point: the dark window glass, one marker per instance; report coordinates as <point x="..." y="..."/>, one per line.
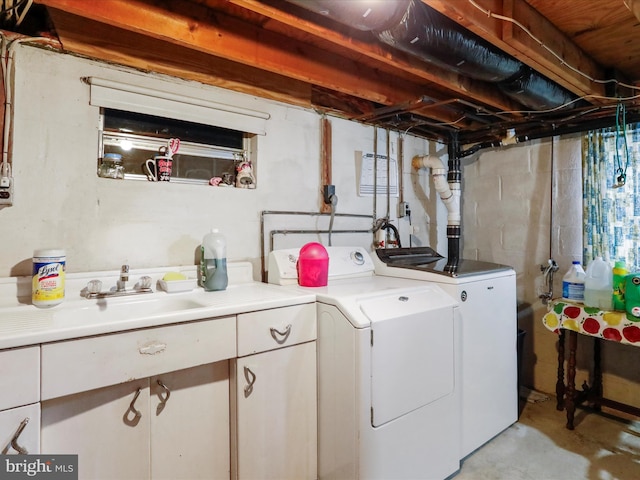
<point x="150" y="125"/>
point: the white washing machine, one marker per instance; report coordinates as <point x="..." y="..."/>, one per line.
<point x="388" y="402"/>
<point x="486" y="293"/>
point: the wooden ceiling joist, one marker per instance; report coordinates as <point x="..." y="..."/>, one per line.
<point x="510" y="38"/>
<point x="278" y="50"/>
<point x="267" y="49"/>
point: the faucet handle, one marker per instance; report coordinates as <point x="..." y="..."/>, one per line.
<point x="144" y="282"/>
<point x="94" y="286"/>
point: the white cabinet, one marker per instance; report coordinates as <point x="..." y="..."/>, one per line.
<point x="275" y="433"/>
<point x="111" y="441"/>
<point x="170" y="426"/>
<point x="19" y="407"/>
<point x="151" y="403"/>
<point x="231" y="397"/>
<point x="190" y="428"/>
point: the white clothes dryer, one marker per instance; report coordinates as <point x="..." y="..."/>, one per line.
<point x="486" y="293"/>
<point x="388" y="358"/>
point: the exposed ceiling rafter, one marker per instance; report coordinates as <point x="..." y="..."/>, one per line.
<point x="274" y="49"/>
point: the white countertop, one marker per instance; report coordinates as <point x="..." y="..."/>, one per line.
<point x="23" y="324"/>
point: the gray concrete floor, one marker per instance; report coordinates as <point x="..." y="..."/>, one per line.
<point x="603" y="446"/>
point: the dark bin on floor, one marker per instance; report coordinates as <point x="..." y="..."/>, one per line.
<point x="520" y="347"/>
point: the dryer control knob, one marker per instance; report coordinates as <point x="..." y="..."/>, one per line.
<point x="357" y="257"/>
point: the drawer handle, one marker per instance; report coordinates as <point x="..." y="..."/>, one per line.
<point x="132" y="408"/>
<point x="152" y="348"/>
<point x="280" y="337"/>
<point x="163" y="400"/>
<point x="14" y="441"/>
<point x="250" y="377"/>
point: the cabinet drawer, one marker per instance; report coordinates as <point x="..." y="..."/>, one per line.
<point x="19" y="376"/>
<point x="275" y="328"/>
<point x="83" y="364"/>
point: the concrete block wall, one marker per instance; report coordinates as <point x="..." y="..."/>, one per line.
<point x="521" y="206"/>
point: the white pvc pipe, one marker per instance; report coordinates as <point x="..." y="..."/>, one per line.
<point x="449" y="193"/>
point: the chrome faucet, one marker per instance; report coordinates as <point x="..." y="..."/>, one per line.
<point x="94" y="287"/>
<point x="547" y="272"/>
<point x="121" y="285"/>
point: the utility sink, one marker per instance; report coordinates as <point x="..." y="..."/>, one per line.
<point x="124" y="308"/>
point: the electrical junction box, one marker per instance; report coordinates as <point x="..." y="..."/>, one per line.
<point x="6" y="191"/>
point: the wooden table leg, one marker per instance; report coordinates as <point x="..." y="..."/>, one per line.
<point x="560" y="380"/>
<point x="570" y="396"/>
<point x="597" y="376"/>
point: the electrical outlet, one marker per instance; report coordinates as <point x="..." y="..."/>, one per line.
<point x="6" y="191"/>
<point x="328" y="191"/>
<point x="403" y="209"/>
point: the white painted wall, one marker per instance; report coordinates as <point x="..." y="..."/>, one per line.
<point x="60" y="201"/>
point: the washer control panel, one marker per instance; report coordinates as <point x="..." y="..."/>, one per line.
<point x="344" y="262"/>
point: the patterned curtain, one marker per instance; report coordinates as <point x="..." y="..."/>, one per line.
<point x="611" y="210"/>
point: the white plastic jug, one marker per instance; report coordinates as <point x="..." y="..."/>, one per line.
<point x="573" y="283"/>
<point x="598" y="285"/>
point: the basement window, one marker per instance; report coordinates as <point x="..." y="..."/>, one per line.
<point x="217" y="130"/>
<point x="205" y="152"/>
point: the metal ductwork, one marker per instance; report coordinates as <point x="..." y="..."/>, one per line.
<point x="417" y="29"/>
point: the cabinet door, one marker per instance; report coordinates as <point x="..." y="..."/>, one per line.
<point x="190" y="423"/>
<point x="103" y="429"/>
<point x="277" y="414"/>
<point x="20" y="430"/>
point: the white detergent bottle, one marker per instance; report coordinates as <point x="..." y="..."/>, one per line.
<point x="213" y="263"/>
<point x="598" y="285"/>
<point x="573" y="283"/>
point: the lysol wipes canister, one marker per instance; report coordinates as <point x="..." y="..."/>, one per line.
<point x="47" y="287"/>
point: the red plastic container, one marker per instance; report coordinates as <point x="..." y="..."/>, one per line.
<point x="313" y="265"/>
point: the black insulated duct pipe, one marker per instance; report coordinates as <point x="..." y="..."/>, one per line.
<point x="432" y="36"/>
<point x="417" y="29"/>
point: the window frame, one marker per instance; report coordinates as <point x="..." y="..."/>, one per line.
<point x="152" y="144"/>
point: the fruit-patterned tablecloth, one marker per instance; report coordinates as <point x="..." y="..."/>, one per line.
<point x="614" y="326"/>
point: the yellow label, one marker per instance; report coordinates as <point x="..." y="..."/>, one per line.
<point x="48" y="282"/>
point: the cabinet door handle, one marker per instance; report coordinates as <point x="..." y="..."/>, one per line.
<point x="132" y="408"/>
<point x="14" y="441"/>
<point x="163" y="400"/>
<point x="250" y="377"/>
<point x="152" y="348"/>
<point x="280" y="337"/>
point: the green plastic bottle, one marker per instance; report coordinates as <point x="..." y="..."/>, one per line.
<point x="214" y="262"/>
<point x="620" y="273"/>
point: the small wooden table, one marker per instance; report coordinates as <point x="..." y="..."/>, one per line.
<point x="571" y="318"/>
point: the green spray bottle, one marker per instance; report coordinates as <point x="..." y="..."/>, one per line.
<point x="620" y="273"/>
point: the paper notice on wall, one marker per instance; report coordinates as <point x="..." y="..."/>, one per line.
<point x="382" y="173"/>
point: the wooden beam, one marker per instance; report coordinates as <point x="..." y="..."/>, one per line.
<point x="514" y="41"/>
<point x="325" y="160"/>
<point x="88" y="28"/>
<point x="93" y="39"/>
<point x="385" y="58"/>
<point x="217" y="34"/>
